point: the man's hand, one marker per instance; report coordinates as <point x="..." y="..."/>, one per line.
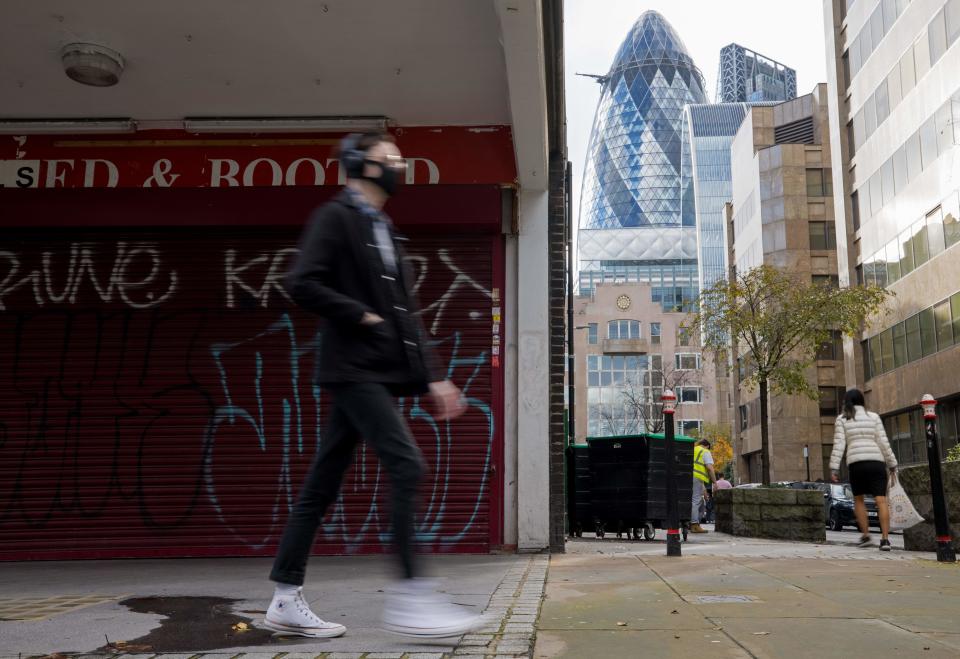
<point x="370" y="319"/>
<point x="448" y="399"/>
<point x="835" y="476"/>
<point x="893" y="475"/>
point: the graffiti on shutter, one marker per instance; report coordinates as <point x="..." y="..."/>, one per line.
<point x="156" y="398"/>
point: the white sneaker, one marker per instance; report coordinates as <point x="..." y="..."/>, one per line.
<point x="416" y="609"/>
<point x="290" y="614"/>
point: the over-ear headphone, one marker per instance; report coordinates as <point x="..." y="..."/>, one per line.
<point x="352" y="156"/>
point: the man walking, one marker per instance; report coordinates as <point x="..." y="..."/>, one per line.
<point x="703" y="475"/>
<point x="351" y="273"/>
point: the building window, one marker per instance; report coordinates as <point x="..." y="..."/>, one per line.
<point x="592" y="337"/>
<point x="832" y="348"/>
<point x="655" y="334"/>
<point x="953" y="20"/>
<point x="819" y="183"/>
<point x="855" y="210"/>
<point x="689" y="395"/>
<point x="823" y="235"/>
<point x="744" y="418"/>
<point x="689" y="426"/>
<point x="833" y="281"/>
<point x="937" y="36"/>
<point x="912" y="331"/>
<point x="684" y="336"/>
<point x="951" y="220"/>
<point x="623" y="329"/>
<point x="928" y="332"/>
<point x="944" y="325"/>
<point x="621" y="394"/>
<point x="831" y="400"/>
<point x="687" y="361"/>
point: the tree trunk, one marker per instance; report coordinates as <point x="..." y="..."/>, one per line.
<point x="764" y="433"/>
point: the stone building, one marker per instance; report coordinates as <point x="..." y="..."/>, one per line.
<point x="782" y="215"/>
<point x="628" y="346"/>
<point x="895" y="126"/>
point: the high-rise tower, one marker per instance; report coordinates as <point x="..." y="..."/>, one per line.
<point x="632" y="224"/>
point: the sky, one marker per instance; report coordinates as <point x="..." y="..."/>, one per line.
<point x="790" y="32"/>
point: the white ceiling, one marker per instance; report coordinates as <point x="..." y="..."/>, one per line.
<point x="419" y="62"/>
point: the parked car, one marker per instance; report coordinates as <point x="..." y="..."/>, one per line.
<point x="838" y="504"/>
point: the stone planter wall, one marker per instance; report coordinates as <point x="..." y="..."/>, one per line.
<point x="781" y="514"/>
<point x="916" y="482"/>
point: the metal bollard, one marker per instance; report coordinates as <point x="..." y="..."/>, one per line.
<point x="669" y="400"/>
<point x="941" y="521"/>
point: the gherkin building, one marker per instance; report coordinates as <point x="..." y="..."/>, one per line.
<point x="633" y="226"/>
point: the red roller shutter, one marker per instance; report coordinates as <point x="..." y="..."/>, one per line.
<point x="156" y="396"/>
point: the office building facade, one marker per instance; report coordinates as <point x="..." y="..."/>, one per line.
<point x="782" y="216"/>
<point x="895" y="124"/>
<point x="746" y="76"/>
<point x="627" y="350"/>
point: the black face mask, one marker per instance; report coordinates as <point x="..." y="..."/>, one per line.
<point x="387" y="180"/>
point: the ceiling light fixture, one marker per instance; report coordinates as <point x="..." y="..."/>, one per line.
<point x="285" y="124"/>
<point x="92" y="64"/>
<point x="65" y="126"/>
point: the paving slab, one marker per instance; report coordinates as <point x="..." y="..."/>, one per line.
<point x="748" y="598"/>
<point x="651" y="644"/>
<point x="806" y="637"/>
<point x="605" y="606"/>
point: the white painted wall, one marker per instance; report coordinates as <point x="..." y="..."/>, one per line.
<point x="533" y="455"/>
<point x="511" y="391"/>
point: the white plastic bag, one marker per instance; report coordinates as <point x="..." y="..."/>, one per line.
<point x="902" y="513"/>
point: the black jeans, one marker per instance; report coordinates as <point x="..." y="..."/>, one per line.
<point x="358" y="410"/>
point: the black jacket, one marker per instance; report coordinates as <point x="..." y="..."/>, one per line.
<point x="340" y="275"/>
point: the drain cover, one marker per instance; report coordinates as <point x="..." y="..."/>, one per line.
<point x="723" y="599"/>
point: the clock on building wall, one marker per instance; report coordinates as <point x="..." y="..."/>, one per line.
<point x="623" y="302"/>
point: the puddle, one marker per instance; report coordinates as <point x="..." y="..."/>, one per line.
<point x="192" y="624"/>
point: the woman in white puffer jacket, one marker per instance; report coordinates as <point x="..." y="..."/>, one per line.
<point x="869" y="458"/>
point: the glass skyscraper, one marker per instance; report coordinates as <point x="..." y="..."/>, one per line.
<point x="633" y="226"/>
<point x="706" y="182"/>
<point x="746" y="76"/>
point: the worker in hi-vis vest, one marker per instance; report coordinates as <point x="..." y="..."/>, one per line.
<point x="703" y="475"/>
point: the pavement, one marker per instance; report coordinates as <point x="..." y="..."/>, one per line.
<point x="210" y="608"/>
<point x="727" y="597"/>
<point x="748" y="598"/>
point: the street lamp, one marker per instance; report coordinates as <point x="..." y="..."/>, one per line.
<point x="669" y="401"/>
<point x="941" y="522"/>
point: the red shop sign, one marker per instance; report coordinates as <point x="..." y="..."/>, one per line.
<point x="174" y="159"/>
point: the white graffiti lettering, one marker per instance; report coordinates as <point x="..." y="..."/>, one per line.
<point x="460" y="280"/>
<point x="272" y="281"/>
<point x="139" y="292"/>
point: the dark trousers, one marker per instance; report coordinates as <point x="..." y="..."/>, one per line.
<point x="358" y="411"/>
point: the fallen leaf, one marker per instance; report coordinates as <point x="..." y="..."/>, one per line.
<point x="761" y="633"/>
<point x="718" y="629"/>
<point x="674" y="612"/>
<point x="241" y="627"/>
<point x="621" y="624"/>
<point x="676" y="635"/>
